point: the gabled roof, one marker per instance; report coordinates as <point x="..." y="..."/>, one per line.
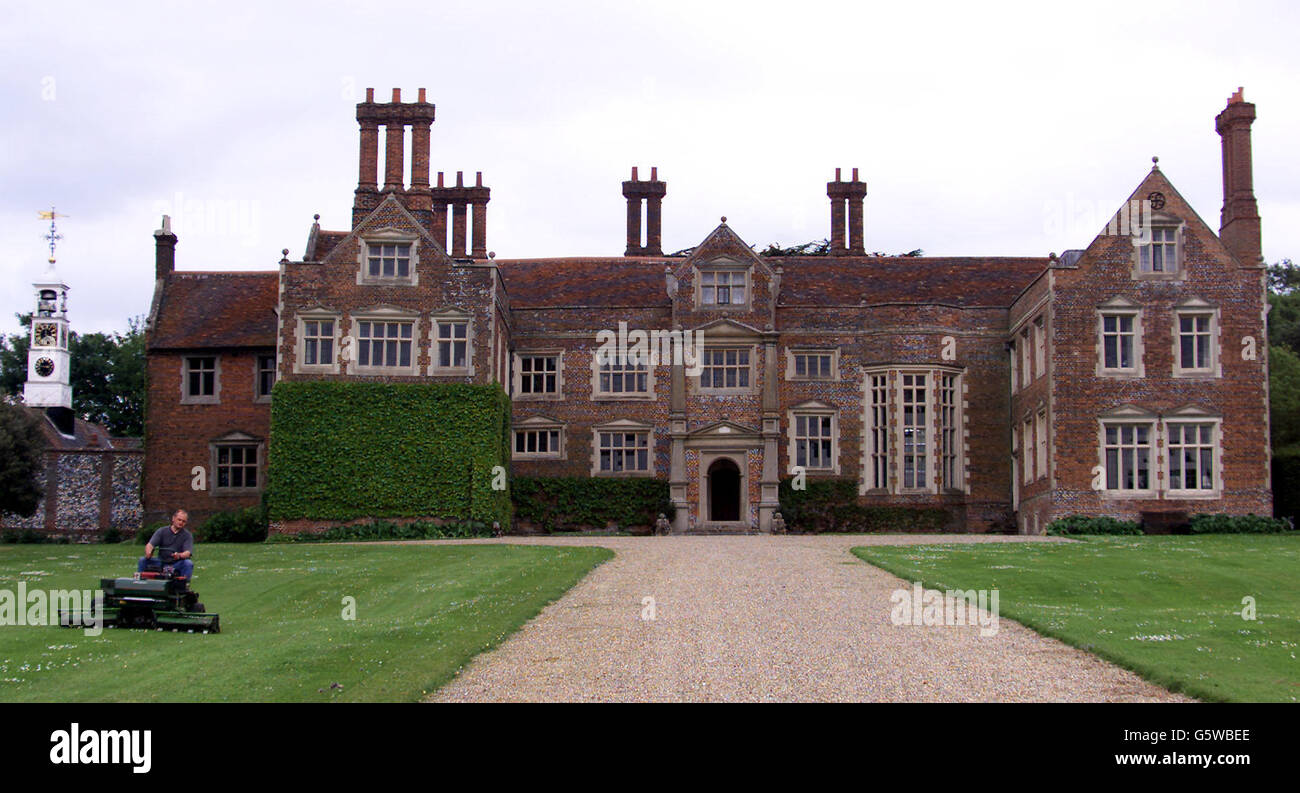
<point x="381" y="219"/>
<point x="614" y="282"/>
<point x="216" y="309"/>
<point x="868" y="280"/>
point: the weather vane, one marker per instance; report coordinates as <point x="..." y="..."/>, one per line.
<point x="54" y="236"/>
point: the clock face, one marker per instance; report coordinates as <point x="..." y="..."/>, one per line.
<point x="45" y="367"/>
<point x="47" y="334"/>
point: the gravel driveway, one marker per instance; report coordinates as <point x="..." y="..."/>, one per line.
<point x="764" y="618"/>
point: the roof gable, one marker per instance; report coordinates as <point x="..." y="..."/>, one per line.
<point x="723" y="243"/>
<point x="386" y="221"/>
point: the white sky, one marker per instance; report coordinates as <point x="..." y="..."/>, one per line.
<point x="980" y="128"/>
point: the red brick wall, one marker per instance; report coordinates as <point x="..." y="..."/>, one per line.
<point x="177" y="435"/>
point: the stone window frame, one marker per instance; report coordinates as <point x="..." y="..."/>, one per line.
<point x="598" y="395"/>
<point x="540" y="424"/>
<point x="383" y="315"/>
<point x="258" y="371"/>
<point x="894" y="411"/>
<point x="792" y="352"/>
<point x="1028" y="472"/>
<point x="1039" y="326"/>
<point x="1014" y="348"/>
<point x="201" y="399"/>
<point x="1200" y="308"/>
<point x="728" y="266"/>
<point x="1121" y="307"/>
<point x="1026" y="347"/>
<point x="957" y="450"/>
<point x="813" y="409"/>
<point x="1184" y="417"/>
<point x="752" y="388"/>
<point x="1163" y="222"/>
<point x="233" y="439"/>
<point x="1131" y="417"/>
<point x="387" y="236"/>
<point x="624" y="426"/>
<point x="300" y="345"/>
<point x="873" y="431"/>
<point x="517" y="375"/>
<point x="450" y="316"/>
<point x="1041" y="456"/>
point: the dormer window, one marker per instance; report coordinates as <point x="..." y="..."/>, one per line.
<point x="723" y="288"/>
<point x="1161" y="254"/>
<point x="389" y="260"/>
<point x="1158" y="251"/>
<point x="389" y="257"/>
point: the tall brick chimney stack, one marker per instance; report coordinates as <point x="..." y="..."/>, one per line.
<point x="395" y="117"/>
<point x="1239" y="222"/>
<point x="846" y="200"/>
<point x="164" y="256"/>
<point x="650" y="193"/>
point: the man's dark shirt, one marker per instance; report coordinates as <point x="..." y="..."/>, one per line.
<point x="168" y="542"/>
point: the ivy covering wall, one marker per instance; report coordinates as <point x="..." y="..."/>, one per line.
<point x="831" y="505"/>
<point x="575" y="503"/>
<point x="341" y="451"/>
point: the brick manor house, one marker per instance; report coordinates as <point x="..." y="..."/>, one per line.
<point x="1125" y="379"/>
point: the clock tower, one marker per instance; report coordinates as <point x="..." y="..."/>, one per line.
<point x="48" y="372"/>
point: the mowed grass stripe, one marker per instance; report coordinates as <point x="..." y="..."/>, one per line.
<point x="422" y="612"/>
<point x="1168" y="608"/>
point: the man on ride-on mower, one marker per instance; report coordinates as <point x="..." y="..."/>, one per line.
<point x="175" y="546"/>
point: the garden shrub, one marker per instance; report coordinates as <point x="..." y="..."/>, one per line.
<point x="342" y="451"/>
<point x="831" y="505"/>
<point x="245" y="525"/>
<point x="1286" y="483"/>
<point x="1238" y="524"/>
<point x="1083" y="524"/>
<point x="387" y="530"/>
<point x="575" y="503"/>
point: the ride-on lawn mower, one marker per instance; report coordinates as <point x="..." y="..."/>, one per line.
<point x="150" y="600"/>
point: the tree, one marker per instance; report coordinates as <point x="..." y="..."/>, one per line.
<point x="1284" y="302"/>
<point x="1284" y="398"/>
<point x="108" y="375"/>
<point x="22" y="451"/>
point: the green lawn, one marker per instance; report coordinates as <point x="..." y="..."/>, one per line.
<point x="1165" y="607"/>
<point x="422" y="612"/>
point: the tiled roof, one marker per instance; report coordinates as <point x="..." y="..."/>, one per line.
<point x="622" y="281"/>
<point x="210" y="309"/>
<point x="807" y="280"/>
<point x="325" y="242"/>
<point x="854" y="280"/>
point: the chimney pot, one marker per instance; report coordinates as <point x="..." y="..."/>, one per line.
<point x="397" y="95"/>
<point x="634" y="176"/>
<point x="478" y="179"/>
<point x="654" y="173"/>
<point x="370" y="94"/>
<point x="837" y="174"/>
<point x="421" y="95"/>
<point x="460" y="178"/>
<point x="855" y="174"/>
<point x="164" y="249"/>
<point x="440" y="178"/>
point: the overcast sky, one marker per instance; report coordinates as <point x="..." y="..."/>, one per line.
<point x="980" y="128"/>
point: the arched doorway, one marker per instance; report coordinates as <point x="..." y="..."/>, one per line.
<point x="724" y="491"/>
